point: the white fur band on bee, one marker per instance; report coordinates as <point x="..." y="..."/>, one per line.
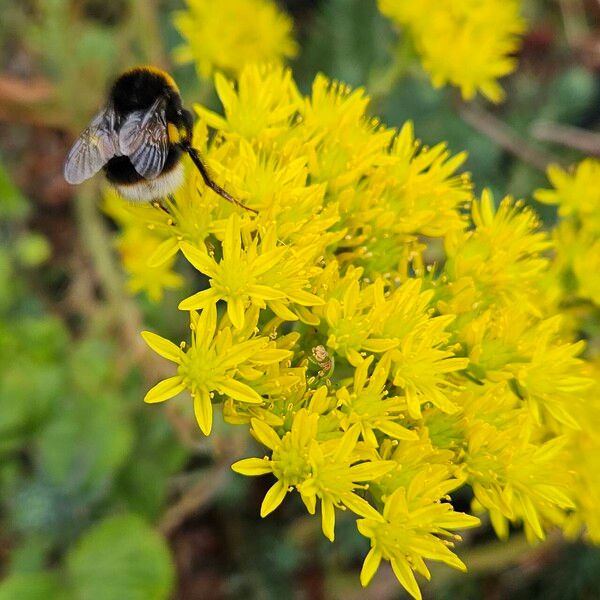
<point x="150" y="189"/>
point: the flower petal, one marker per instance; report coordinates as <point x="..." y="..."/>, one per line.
<point x="406" y="577"/>
<point x="310" y="501"/>
<point x="361" y="507"/>
<point x="370" y="566"/>
<point x="379" y="345"/>
<point x="241" y="352"/>
<point x="273" y="498"/>
<point x="328" y="519"/>
<point x="232" y="244"/>
<point x="162" y="346"/>
<point x="361" y="373"/>
<point x="347" y="443"/>
<point x="163" y="252"/>
<point x="281" y="310"/>
<point x="372" y="470"/>
<point x="203" y="411"/>
<point x="264" y="434"/>
<point x="265" y="292"/>
<point x="212" y="119"/>
<point x="199" y="300"/>
<point x="239" y="391"/>
<point x="270" y="356"/>
<point x="235" y="310"/>
<point x="200" y="260"/>
<point x="225" y="91"/>
<point x="354" y="357"/>
<point x="304" y="298"/>
<point x="396" y="431"/>
<point x="164" y="390"/>
<point x="253" y="466"/>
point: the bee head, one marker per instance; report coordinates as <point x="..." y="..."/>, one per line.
<point x="138" y="88"/>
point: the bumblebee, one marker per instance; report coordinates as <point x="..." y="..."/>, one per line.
<point x="139" y="139"/>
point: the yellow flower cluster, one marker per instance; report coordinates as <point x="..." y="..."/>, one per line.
<point x="573" y="286"/>
<point x="384" y="335"/>
<point x="577" y="237"/>
<point x="225" y="34"/>
<point x="467" y="43"/>
<point x="137" y="240"/>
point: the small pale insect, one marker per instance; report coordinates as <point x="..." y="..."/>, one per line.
<point x="324" y="360"/>
<point x="139" y="138"/>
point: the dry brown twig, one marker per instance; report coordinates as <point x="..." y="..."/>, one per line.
<point x="585" y="141"/>
<point x="199" y="496"/>
<point x="30" y="102"/>
<point x="15" y="90"/>
<point x="505" y="136"/>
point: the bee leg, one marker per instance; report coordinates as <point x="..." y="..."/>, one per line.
<point x="211" y="184"/>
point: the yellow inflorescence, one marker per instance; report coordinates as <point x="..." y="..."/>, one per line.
<point x="226" y="34"/>
<point x="384" y="335"/>
<point x="467" y="43"/>
<point x="138" y="239"/>
<point x="577" y="238"/>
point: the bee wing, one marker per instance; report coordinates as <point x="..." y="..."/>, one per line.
<point x="93" y="148"/>
<point x="143" y="138"/>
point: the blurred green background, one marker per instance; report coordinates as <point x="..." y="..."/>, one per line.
<point x="103" y="497"/>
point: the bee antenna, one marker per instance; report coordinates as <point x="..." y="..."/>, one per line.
<point x="210" y="182"/>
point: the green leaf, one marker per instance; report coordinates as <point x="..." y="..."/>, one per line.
<point x="13" y="204"/>
<point x="570" y="96"/>
<point x="30" y="555"/>
<point x="27" y="393"/>
<point x="87" y="442"/>
<point x="348" y="39"/>
<point x="38" y="509"/>
<point x="8" y="291"/>
<point x="33" y="586"/>
<point x="32" y="249"/>
<point x="92" y="364"/>
<point x="121" y="558"/>
<point x="142" y="483"/>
